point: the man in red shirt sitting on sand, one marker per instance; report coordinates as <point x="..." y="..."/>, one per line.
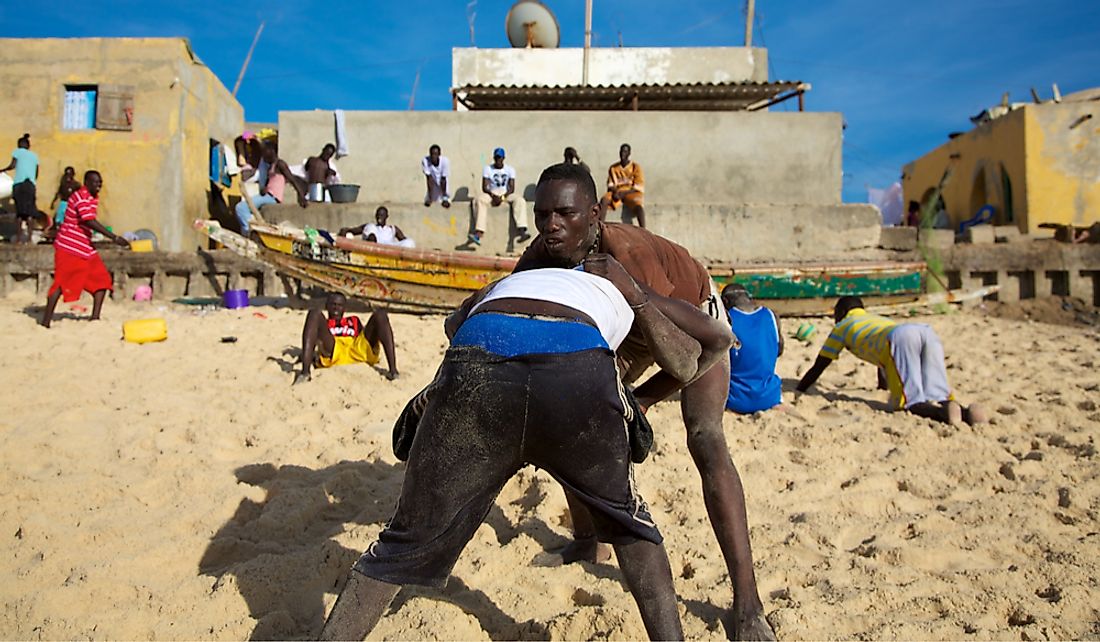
<point x="77" y="266"/>
<point x="331" y="338"/>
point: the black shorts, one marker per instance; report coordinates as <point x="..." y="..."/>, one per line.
<point x="489" y="417"/>
<point x="25" y="194"/>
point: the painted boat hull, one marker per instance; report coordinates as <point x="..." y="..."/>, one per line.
<point x="400" y="279"/>
<point x="425" y="281"/>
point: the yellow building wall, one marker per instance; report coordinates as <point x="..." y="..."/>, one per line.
<point x="155" y="175"/>
<point x="1050" y="153"/>
<point x="978" y="161"/>
<point x="1063" y="163"/>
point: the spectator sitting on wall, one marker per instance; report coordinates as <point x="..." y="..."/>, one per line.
<point x="498" y="186"/>
<point x="754" y="386"/>
<point x="625" y="184"/>
<point x="379" y="231"/>
<point x="437" y="169"/>
<point x="320" y="172"/>
<point x="273" y="177"/>
<point x="24" y="186"/>
<point x="65" y="189"/>
<point x="571" y="157"/>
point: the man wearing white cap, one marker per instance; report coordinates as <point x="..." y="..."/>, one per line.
<point x="498" y="186"/>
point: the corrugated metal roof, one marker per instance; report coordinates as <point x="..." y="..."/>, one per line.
<point x="731" y="96"/>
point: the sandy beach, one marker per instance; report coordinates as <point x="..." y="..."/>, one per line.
<point x="184" y="490"/>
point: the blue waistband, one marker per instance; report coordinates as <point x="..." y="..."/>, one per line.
<point x="511" y="336"/>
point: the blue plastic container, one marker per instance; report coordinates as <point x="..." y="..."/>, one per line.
<point x="234" y="299"/>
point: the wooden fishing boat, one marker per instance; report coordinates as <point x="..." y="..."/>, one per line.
<point x="812" y="288"/>
<point x="427" y="281"/>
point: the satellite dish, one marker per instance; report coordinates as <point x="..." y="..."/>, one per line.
<point x="531" y="24"/>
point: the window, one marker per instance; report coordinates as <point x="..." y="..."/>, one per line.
<point x="98" y="107"/>
<point x="79" y="111"/>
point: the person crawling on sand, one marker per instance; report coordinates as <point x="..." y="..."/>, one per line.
<point x="910" y="356"/>
<point x="529" y="378"/>
<point x="331" y="338"/>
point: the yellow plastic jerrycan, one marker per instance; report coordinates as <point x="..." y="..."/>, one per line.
<point x="145" y="330"/>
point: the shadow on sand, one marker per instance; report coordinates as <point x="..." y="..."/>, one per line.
<point x="282" y="553"/>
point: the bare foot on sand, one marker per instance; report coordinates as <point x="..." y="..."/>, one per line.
<point x="954" y="413"/>
<point x="753" y="627"/>
<point x="975" y="414"/>
<point x="585" y="550"/>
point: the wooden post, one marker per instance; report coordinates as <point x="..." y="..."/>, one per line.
<point x="801" y="100"/>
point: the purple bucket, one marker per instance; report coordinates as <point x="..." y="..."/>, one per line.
<point x="234" y="299"/>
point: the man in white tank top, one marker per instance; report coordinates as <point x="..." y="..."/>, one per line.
<point x="380" y="231"/>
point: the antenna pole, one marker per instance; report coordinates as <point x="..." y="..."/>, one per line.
<point x="416" y="83"/>
<point x="749" y="6"/>
<point x="587" y="39"/>
<point x="247" y="59"/>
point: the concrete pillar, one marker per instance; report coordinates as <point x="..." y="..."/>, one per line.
<point x="159" y="285"/>
<point x="1050" y="283"/>
<point x="1025" y="282"/>
<point x="1080" y="286"/>
<point x="1010" y="287"/>
<point x="122" y="284"/>
<point x="1085" y="285"/>
<point x="43" y="281"/>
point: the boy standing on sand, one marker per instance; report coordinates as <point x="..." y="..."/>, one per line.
<point x="909" y="354"/>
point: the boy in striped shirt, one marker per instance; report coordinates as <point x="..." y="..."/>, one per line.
<point x="910" y="356"/>
<point x="77" y="266"/>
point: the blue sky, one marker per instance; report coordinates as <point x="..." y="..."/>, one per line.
<point x="903" y="74"/>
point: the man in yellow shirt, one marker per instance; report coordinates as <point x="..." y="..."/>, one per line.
<point x="910" y="356"/>
<point x="625" y="184"/>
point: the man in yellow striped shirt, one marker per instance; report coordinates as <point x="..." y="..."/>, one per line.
<point x="626" y="184"/>
<point x="910" y="355"/>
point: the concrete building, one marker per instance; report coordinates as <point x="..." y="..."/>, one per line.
<point x="1036" y="163"/>
<point x="724" y="176"/>
<point x="143" y="111"/>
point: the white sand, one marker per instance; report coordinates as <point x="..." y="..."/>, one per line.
<point x="184" y="490"/>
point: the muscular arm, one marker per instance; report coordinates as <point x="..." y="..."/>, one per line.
<point x="714" y="337"/>
<point x="98" y="227"/>
<point x="511" y="187"/>
<point x="813" y="373"/>
<point x="485" y="186"/>
<point x="678" y="335"/>
<point x="11" y="165"/>
<point x="357" y="230"/>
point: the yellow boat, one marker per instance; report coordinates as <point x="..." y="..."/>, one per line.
<point x="427" y="281"/>
<point x="400" y="279"/>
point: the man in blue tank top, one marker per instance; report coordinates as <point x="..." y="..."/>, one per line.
<point x="754" y="386"/>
